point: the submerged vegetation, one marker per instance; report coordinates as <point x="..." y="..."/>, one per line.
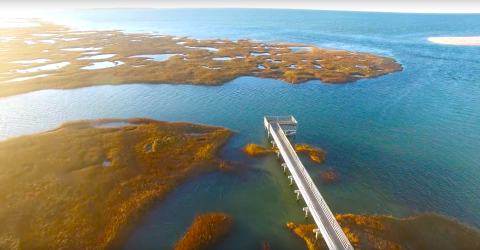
<point x="427" y="231"/>
<point x="316" y="154"/>
<point x="206" y="232"/>
<point x="329" y="176"/>
<point x="55" y="57"/>
<point x="86" y="184"/>
<point x="266" y="245"/>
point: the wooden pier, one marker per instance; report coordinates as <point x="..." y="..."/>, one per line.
<point x="278" y="127"/>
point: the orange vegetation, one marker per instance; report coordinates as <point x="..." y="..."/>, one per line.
<point x="316" y="154"/>
<point x="427" y="231"/>
<point x="84" y="187"/>
<point x="290" y="225"/>
<point x="266" y="245"/>
<point x="329" y="176"/>
<point x="255" y="150"/>
<point x="192" y="64"/>
<point x="206" y="231"/>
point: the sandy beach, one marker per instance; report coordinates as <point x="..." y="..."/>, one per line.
<point x="465" y="41"/>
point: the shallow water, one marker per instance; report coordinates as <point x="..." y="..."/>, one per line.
<point x="401" y="143"/>
<point x="225" y="58"/>
<point x="52" y="66"/>
<point x="102" y="65"/>
<point x="96" y="57"/>
<point x="81" y="49"/>
<point x="207" y="67"/>
<point x="260" y="54"/>
<point x="295" y="49"/>
<point x="210" y="49"/>
<point x="158" y="57"/>
<point x="19" y="79"/>
<point x="32" y="61"/>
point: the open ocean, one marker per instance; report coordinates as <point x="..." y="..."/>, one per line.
<point x="401" y="144"/>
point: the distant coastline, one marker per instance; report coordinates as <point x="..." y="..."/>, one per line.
<point x="49" y="56"/>
<point x="457" y="40"/>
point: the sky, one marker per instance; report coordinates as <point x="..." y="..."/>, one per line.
<point x="33" y="8"/>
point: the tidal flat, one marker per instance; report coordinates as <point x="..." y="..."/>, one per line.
<point x="88" y="184"/>
<point x="184" y="60"/>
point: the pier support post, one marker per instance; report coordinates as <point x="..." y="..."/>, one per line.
<point x="316" y="231"/>
<point x="273" y="144"/>
<point x="291" y="180"/>
<point x="306" y="209"/>
<point x="284" y="165"/>
<point x="298" y="194"/>
<point x="278" y="154"/>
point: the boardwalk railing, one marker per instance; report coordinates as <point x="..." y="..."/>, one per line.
<point x="332" y="238"/>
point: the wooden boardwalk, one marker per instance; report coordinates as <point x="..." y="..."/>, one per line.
<point x="278" y="128"/>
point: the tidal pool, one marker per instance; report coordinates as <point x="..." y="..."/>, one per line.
<point x="225" y="58"/>
<point x="295" y="49"/>
<point x="260" y="54"/>
<point x="81" y="49"/>
<point x="96" y="57"/>
<point x="273" y="61"/>
<point x="52" y="66"/>
<point x="19" y="79"/>
<point x="157" y="57"/>
<point x="32" y="61"/>
<point x="207" y="67"/>
<point x="210" y="49"/>
<point x="103" y="65"/>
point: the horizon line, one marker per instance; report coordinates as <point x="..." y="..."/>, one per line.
<point x="264" y="8"/>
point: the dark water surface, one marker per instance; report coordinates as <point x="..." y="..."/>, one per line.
<point x="401" y="144"/>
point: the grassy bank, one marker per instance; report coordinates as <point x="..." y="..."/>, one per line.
<point x="206" y="232"/>
<point x="87" y="184"/>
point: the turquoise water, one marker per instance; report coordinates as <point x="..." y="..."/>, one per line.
<point x="401" y="144"/>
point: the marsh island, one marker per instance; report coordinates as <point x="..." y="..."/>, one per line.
<point x="426" y="231"/>
<point x="41" y="55"/>
<point x="87" y="184"/>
